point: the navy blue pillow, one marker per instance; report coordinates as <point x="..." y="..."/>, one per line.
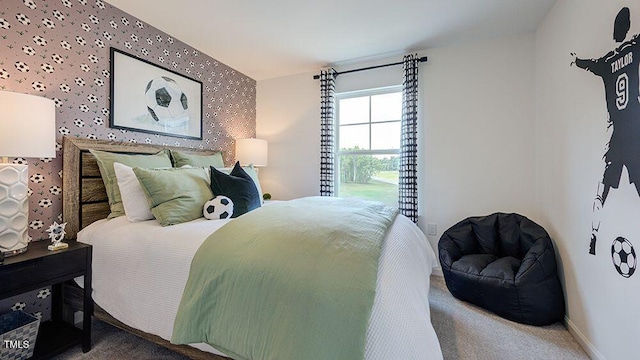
<point x="237" y="186"/>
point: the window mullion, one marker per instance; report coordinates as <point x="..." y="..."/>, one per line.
<point x="370" y="129"/>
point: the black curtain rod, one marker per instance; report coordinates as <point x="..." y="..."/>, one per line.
<point x="422" y="59"/>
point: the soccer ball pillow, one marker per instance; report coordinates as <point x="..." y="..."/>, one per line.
<point x="220" y="207"/>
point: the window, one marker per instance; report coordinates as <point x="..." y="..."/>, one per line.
<point x="368" y="144"/>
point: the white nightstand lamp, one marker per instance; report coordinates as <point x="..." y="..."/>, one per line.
<point x="27" y="129"/>
<point x="252" y="152"/>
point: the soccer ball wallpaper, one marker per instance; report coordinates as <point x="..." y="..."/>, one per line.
<point x="623" y="256"/>
<point x="62" y="52"/>
<point x="166" y="102"/>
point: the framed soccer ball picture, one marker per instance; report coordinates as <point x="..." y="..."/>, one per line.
<point x="148" y="98"/>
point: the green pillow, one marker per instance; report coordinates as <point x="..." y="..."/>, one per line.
<point x="181" y="158"/>
<point x="105" y="164"/>
<point x="175" y="195"/>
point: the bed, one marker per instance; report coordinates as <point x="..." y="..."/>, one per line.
<point x="140" y="269"/>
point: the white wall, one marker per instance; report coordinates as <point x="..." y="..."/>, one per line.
<point x="289" y="112"/>
<point x="476" y="120"/>
<point x="477" y="154"/>
<point x="571" y="134"/>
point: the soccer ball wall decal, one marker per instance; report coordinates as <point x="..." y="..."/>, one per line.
<point x="166" y="102"/>
<point x="220" y="207"/>
<point x="623" y="256"/>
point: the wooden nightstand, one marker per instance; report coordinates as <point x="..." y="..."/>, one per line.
<point x="38" y="268"/>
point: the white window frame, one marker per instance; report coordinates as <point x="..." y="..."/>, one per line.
<point x="338" y="152"/>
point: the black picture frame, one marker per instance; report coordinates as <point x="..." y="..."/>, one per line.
<point x="149" y="98"/>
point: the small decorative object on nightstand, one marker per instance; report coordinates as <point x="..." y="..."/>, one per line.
<point x="266" y="196"/>
<point x="56" y="234"/>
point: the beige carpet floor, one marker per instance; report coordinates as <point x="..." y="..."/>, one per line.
<point x="468" y="332"/>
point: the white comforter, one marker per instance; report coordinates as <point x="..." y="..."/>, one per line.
<point x="140" y="270"/>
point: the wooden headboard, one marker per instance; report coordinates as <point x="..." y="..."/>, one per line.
<point x="84" y="196"/>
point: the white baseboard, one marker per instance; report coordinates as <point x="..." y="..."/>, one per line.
<point x="586" y="345"/>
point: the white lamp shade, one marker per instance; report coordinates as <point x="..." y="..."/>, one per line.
<point x="27" y="126"/>
<point x="27" y="129"/>
<point x="252" y="151"/>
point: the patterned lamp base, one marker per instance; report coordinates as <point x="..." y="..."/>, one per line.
<point x="14" y="209"/>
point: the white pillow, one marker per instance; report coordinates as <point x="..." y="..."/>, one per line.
<point x="134" y="201"/>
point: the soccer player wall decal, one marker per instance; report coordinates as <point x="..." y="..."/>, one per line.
<point x="619" y="70"/>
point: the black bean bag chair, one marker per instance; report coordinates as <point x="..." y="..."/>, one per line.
<point x="504" y="263"/>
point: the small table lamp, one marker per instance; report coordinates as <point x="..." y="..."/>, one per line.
<point x="27" y="129"/>
<point x="252" y="151"/>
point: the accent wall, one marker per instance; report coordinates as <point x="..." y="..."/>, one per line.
<point x="60" y="50"/>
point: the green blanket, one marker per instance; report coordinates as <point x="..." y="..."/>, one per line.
<point x="290" y="280"/>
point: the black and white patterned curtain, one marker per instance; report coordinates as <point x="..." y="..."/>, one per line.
<point x="408" y="182"/>
<point x="327" y="131"/>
